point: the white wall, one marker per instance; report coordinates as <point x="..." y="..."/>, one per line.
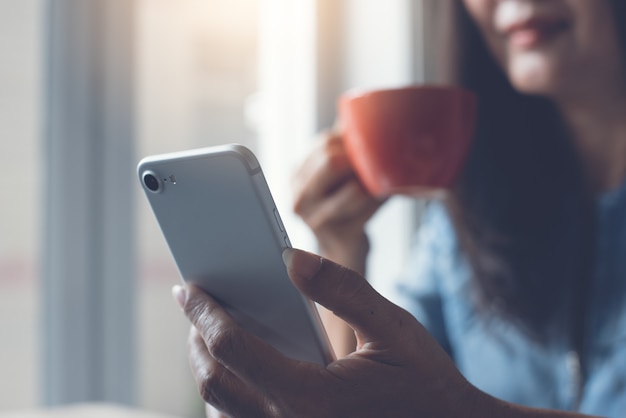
<point x="311" y="51"/>
<point x="382" y="50"/>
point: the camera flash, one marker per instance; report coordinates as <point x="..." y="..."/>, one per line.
<point x="172" y="179"/>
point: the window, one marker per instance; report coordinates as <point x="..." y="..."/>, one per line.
<point x="88" y="88"/>
<point x="20" y="202"/>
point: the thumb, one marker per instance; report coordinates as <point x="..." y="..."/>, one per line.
<point x="347" y="294"/>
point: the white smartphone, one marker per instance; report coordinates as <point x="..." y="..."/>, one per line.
<point x="222" y="227"/>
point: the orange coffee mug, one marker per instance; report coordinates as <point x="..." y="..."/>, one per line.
<point x="412" y="140"/>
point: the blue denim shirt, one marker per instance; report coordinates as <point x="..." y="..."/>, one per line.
<point x="501" y="360"/>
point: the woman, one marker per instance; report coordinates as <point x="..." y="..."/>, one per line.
<point x="518" y="275"/>
<point x="515" y="274"/>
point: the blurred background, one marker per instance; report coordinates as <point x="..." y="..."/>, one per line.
<point x="86" y="90"/>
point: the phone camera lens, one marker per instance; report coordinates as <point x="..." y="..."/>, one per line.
<point x="152" y="182"/>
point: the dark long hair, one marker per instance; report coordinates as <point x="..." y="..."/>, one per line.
<point x="521" y="209"/>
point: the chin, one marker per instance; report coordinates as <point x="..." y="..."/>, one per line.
<point x="533" y="88"/>
<point x="534" y="76"/>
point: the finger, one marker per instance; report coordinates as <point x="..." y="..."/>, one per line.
<point x="348" y="295"/>
<point x="243" y="354"/>
<point x="352" y="202"/>
<point x="323" y="172"/>
<point x="219" y="387"/>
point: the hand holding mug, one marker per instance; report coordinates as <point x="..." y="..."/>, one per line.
<point x="333" y="203"/>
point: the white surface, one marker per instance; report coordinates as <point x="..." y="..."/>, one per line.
<point x="84" y="411"/>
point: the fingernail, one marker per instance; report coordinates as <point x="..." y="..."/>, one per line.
<point x="301" y="263"/>
<point x="180" y="295"/>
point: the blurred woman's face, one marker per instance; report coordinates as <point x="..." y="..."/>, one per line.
<point x="562" y="49"/>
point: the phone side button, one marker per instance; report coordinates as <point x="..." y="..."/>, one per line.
<point x="278" y="221"/>
<point x="287" y="242"/>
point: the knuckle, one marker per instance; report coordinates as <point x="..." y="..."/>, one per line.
<point x="195" y="309"/>
<point x="211" y="386"/>
<point x="318" y="220"/>
<point x="350" y="285"/>
<point x="222" y="342"/>
<point x="201" y="313"/>
<point x="333" y="161"/>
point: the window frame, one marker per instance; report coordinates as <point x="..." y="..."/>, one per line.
<point x="87" y="274"/>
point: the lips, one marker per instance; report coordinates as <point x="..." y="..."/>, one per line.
<point x="534" y="32"/>
<point x="528" y="24"/>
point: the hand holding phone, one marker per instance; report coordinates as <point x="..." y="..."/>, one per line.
<point x="222" y="227"/>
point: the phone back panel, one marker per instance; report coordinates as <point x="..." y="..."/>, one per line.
<point x="222" y="227"/>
